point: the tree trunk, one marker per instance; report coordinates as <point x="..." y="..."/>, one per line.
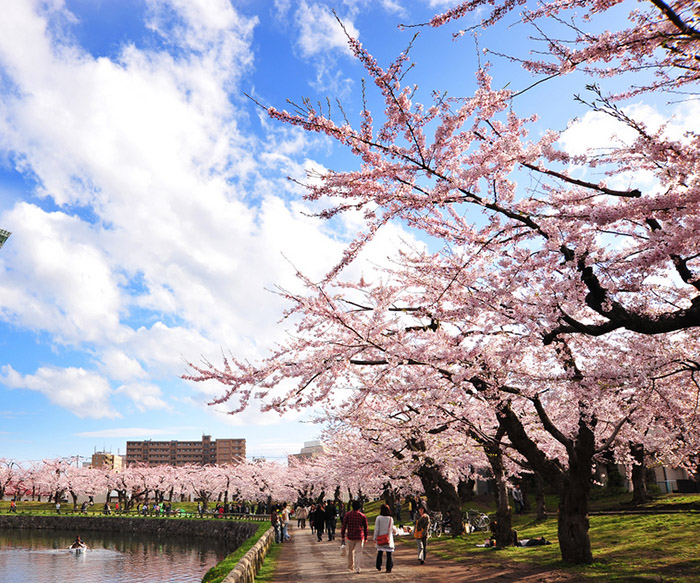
<point x="502" y="526"/>
<point x="540" y="501"/>
<point x="389" y="497"/>
<point x="574" y="540"/>
<point x="465" y="490"/>
<point x="441" y="495"/>
<point x="573" y="484"/>
<point x="639" y="470"/>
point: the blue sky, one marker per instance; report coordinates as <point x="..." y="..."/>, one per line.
<point x="149" y="204"/>
<point x="150" y="210"/>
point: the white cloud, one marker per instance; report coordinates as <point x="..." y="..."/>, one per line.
<point x="145" y="396"/>
<point x="119" y="366"/>
<point x="160" y="224"/>
<point x="319" y="31"/>
<point x="597" y="132"/>
<point x="58" y="279"/>
<point x="83" y="393"/>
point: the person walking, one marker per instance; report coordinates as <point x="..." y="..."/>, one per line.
<point x="331" y="518"/>
<point x="301" y="513"/>
<point x="318" y="520"/>
<point x="355" y="528"/>
<point x="275" y="521"/>
<point x="412" y="509"/>
<point x="285" y="523"/>
<point x="384" y="537"/>
<point x="420" y="532"/>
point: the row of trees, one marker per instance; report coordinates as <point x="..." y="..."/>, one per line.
<point x="335" y="475"/>
<point x="550" y="322"/>
<point x="58" y="479"/>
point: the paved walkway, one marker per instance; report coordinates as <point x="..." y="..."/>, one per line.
<point x="304" y="560"/>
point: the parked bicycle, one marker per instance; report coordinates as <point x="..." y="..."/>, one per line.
<point x="475" y="520"/>
<point x="436" y="524"/>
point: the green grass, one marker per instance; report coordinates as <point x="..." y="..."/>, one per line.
<point x="44" y="508"/>
<point x="219" y="571"/>
<point x="626" y="548"/>
<point x="267" y="572"/>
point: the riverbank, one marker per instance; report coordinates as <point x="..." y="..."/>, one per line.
<point x="233" y="532"/>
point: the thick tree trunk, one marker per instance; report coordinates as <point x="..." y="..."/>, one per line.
<point x="574" y="540"/>
<point x="465" y="490"/>
<point x="502" y="527"/>
<point x="573" y="484"/>
<point x="441" y="495"/>
<point x="639" y="470"/>
<point x="389" y="497"/>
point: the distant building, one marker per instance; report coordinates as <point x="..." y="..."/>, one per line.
<point x="102" y="459"/>
<point x="310" y="450"/>
<point x="4" y="235"/>
<point x="180" y="453"/>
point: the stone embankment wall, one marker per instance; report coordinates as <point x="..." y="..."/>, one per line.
<point x="247" y="568"/>
<point x="232" y="531"/>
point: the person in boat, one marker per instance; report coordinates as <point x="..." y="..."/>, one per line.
<point x="78" y="543"/>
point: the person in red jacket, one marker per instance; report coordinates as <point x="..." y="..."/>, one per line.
<point x="355" y="529"/>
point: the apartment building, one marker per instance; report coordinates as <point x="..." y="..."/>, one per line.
<point x="179" y="453"/>
<point x="103" y="459"/>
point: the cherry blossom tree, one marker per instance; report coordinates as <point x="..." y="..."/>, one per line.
<point x="556" y="407"/>
<point x="9" y="475"/>
<point x="553" y="315"/>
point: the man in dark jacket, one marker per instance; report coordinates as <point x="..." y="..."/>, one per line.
<point x="318" y="518"/>
<point x="331" y="514"/>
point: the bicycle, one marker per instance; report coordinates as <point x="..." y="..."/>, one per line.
<point x="435" y="528"/>
<point x="475" y="520"/>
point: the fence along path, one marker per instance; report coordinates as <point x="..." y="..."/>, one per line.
<point x="304" y="560"/>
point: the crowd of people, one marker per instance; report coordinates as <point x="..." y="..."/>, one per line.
<point x="323" y="517"/>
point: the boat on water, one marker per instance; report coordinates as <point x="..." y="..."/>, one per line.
<point x="78" y="545"/>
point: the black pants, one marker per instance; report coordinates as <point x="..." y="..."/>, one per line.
<point x="389" y="561"/>
<point x="330" y="528"/>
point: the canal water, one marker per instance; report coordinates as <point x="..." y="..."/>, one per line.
<point x="43" y="557"/>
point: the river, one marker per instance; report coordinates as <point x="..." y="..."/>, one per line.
<point x="43" y="557"/>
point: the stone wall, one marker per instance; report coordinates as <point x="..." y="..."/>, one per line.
<point x="232" y="531"/>
<point x="247" y="568"/>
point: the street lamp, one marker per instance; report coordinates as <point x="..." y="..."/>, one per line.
<point x="4" y="236"/>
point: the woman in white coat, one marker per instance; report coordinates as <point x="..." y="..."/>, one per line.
<point x="384" y="537"/>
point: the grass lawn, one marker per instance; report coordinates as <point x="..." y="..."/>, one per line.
<point x="626" y="548"/>
<point x="266" y="574"/>
<point x="218" y="572"/>
<point x="42" y="508"/>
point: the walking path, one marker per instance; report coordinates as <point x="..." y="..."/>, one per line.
<point x="304" y="560"/>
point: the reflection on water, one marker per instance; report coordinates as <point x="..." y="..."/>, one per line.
<point x="43" y="557"/>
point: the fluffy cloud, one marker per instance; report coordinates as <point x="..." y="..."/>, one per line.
<point x="144" y="396"/>
<point x="320" y="32"/>
<point x="156" y="223"/>
<point x="84" y="393"/>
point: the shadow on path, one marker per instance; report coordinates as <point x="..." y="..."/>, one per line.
<point x="304" y="560"/>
